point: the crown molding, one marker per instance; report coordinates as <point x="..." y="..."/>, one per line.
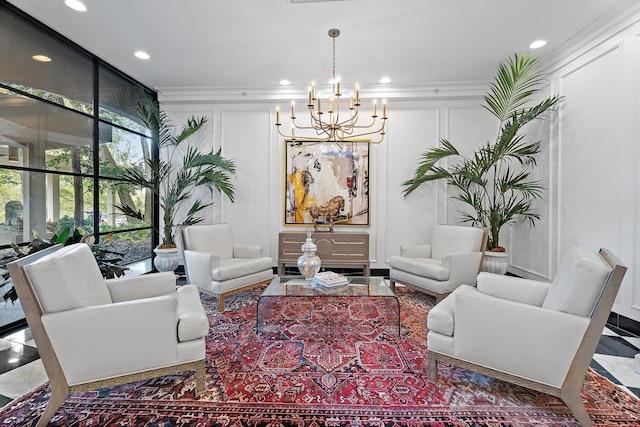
<point x="228" y="94"/>
<point x="615" y="22"/>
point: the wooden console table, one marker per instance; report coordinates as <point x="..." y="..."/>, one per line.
<point x="334" y="249"/>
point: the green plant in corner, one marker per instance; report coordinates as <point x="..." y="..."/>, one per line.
<point x="495" y="180"/>
<point x="177" y="172"/>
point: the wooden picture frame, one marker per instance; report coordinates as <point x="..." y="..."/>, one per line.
<point x="318" y="174"/>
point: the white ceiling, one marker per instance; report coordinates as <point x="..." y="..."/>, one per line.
<point x="250" y="45"/>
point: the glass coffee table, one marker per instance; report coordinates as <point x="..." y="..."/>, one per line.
<point x="364" y="300"/>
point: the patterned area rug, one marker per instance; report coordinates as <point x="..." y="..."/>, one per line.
<point x="331" y="363"/>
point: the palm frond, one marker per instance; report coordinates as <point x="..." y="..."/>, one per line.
<point x="192" y="127"/>
<point x="130" y="211"/>
<point x="427" y="170"/>
<point x="517" y="80"/>
<point x="495" y="180"/>
<point x="179" y="170"/>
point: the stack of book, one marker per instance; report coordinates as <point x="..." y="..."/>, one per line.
<point x="329" y="279"/>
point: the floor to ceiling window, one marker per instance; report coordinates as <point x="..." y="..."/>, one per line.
<point x="67" y="126"/>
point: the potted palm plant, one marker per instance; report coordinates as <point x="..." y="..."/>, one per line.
<point x="178" y="170"/>
<point x="495" y="180"/>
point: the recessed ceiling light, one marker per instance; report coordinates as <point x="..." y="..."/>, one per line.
<point x="142" y="55"/>
<point x="285" y="82"/>
<point x="41" y="58"/>
<point x="385" y="80"/>
<point x="538" y="43"/>
<point x="76" y="5"/>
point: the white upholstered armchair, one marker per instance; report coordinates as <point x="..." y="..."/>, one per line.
<point x="453" y="257"/>
<point x="220" y="267"/>
<point x="93" y="333"/>
<point x="535" y="334"/>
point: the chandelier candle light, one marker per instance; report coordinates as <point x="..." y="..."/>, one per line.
<point x="334" y="127"/>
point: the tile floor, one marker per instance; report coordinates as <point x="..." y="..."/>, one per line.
<point x="21" y="369"/>
<point x="615" y="358"/>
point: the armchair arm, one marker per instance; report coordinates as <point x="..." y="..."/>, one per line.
<point x="247" y="251"/>
<point x="144" y="286"/>
<point x="463" y="268"/>
<point x="527" y="291"/>
<point x="199" y="267"/>
<point x="416" y="251"/>
<point x="114" y="339"/>
<point x="520" y="339"/>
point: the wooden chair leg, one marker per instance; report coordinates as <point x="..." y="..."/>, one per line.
<point x="221" y="303"/>
<point x="58" y="395"/>
<point x="440" y="297"/>
<point x="432" y="368"/>
<point x="575" y="404"/>
<point x="200" y="383"/>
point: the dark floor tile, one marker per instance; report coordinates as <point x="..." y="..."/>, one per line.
<point x="17" y="355"/>
<point x="4" y="400"/>
<point x="616" y="346"/>
<point x="635" y="390"/>
<point x="630" y="325"/>
<point x="600" y="370"/>
<point x="620" y="331"/>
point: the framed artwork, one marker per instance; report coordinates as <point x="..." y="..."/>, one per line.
<point x="326" y="177"/>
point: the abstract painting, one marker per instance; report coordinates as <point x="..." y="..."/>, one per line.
<point x="318" y="175"/>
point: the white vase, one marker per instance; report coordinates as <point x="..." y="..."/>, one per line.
<point x="495" y="262"/>
<point x="166" y="259"/>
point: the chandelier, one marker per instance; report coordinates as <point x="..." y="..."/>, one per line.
<point x="336" y="123"/>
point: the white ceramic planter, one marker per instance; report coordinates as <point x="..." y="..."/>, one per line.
<point x="495" y="262"/>
<point x="166" y="259"/>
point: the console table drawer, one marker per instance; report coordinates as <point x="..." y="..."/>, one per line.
<point x="334" y="249"/>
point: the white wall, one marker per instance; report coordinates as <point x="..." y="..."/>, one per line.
<point x="247" y="134"/>
<point x="590" y="165"/>
<point x="594" y="179"/>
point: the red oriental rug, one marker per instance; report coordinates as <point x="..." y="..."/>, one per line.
<point x="350" y="372"/>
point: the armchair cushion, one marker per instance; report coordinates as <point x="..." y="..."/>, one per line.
<point x="450" y="239"/>
<point x="214" y="259"/>
<point x="192" y="319"/>
<point x="216" y="239"/>
<point x="578" y="282"/>
<point x="513" y="288"/>
<point x="247" y="251"/>
<point x="139" y="287"/>
<point x="68" y="278"/>
<point x="442" y="315"/>
<point x="416" y="251"/>
<point x="424" y="267"/>
<point x="239" y="267"/>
